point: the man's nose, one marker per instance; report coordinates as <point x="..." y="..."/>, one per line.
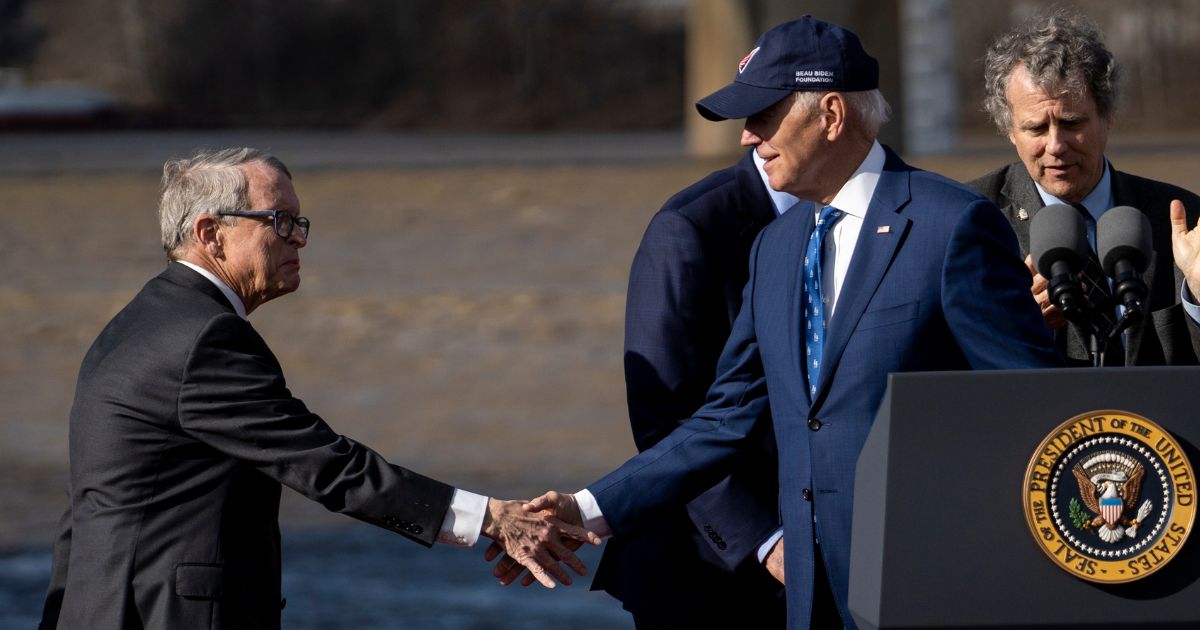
<point x="297" y="238"/>
<point x="749" y="138"/>
<point x="1056" y="143"/>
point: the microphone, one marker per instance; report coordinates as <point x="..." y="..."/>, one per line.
<point x="1124" y="244"/>
<point x="1059" y="246"/>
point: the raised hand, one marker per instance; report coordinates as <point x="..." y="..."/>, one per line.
<point x="1185" y="245"/>
<point x="552" y="505"/>
<point x="536" y="540"/>
<point x="1041" y="293"/>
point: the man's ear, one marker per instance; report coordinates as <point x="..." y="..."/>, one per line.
<point x="832" y="109"/>
<point x="206" y="231"/>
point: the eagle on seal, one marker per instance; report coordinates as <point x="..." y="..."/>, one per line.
<point x="1108" y="482"/>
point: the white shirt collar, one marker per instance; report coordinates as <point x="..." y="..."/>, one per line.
<point x="225" y="290"/>
<point x="1097" y="202"/>
<point x="855" y="195"/>
<point x="781" y="200"/>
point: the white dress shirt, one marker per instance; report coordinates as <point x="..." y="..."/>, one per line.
<point x="463" y="520"/>
<point x="853" y="199"/>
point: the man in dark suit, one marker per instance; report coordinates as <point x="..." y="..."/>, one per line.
<point x="685" y="289"/>
<point x="1051" y="88"/>
<point x="183" y="429"/>
<point x="887" y="269"/>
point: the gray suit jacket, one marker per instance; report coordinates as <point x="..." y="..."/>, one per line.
<point x="181" y="432"/>
<point x="1166" y="336"/>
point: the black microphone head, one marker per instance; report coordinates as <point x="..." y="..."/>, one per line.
<point x="1058" y="233"/>
<point x="1123" y="233"/>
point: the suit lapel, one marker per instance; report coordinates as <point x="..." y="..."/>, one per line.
<point x="794" y="259"/>
<point x="1022" y="202"/>
<point x="882" y="232"/>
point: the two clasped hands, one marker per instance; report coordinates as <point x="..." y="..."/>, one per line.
<point x="538" y="535"/>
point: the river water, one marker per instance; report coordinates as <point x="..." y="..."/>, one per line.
<point x="362" y="577"/>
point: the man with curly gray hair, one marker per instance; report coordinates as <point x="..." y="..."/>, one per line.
<point x="1052" y="86"/>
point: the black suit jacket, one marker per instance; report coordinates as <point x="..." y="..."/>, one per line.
<point x="1166" y="336"/>
<point x="181" y="432"/>
<point x="685" y="290"/>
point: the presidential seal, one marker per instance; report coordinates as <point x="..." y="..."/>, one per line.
<point x="1109" y="496"/>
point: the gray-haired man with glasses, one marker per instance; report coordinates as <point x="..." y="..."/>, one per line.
<point x="183" y="430"/>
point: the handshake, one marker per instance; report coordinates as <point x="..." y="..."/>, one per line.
<point x="536" y="535"/>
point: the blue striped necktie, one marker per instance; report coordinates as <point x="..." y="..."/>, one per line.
<point x="814" y="304"/>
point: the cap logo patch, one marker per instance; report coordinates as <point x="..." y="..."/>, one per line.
<point x="746" y="60"/>
<point x="809" y="77"/>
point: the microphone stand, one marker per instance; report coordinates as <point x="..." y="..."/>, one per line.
<point x="1067" y="294"/>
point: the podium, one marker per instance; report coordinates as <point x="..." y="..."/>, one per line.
<point x="940" y="533"/>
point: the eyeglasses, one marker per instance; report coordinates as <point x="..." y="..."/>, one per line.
<point x="284" y="221"/>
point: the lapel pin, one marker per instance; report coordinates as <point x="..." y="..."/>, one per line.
<point x="883" y="229"/>
<point x="1022" y="214"/>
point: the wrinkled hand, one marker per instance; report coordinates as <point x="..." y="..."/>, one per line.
<point x="555" y="505"/>
<point x="774" y="561"/>
<point x="1041" y="292"/>
<point x="535" y="540"/>
<point x="1185" y="244"/>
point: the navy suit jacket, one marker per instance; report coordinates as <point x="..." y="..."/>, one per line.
<point x="935" y="283"/>
<point x="685" y="290"/>
<point x="1166" y="336"/>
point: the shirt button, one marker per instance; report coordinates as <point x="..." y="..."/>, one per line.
<point x="814" y="425"/>
<point x="807" y="494"/>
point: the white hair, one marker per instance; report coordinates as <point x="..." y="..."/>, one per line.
<point x="871" y="109"/>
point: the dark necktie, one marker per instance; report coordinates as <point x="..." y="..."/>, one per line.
<point x="814" y="303"/>
<point x="1098" y="290"/>
<point x="1100" y="293"/>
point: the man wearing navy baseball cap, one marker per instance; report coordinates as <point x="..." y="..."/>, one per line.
<point x="880" y="268"/>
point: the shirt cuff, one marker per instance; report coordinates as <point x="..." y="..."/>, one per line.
<point x="765" y="548"/>
<point x="1189" y="303"/>
<point x="463" y="520"/>
<point x="593" y="519"/>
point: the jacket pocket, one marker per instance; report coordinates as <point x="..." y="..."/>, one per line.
<point x="200" y="581"/>
<point x="889" y="315"/>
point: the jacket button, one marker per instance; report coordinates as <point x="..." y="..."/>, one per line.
<point x="283" y="603"/>
<point x="807" y="494"/>
<point x="721" y="545"/>
<point x="814" y="425"/>
<point x="416" y="529"/>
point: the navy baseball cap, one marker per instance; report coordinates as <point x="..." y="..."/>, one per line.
<point x="804" y="55"/>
